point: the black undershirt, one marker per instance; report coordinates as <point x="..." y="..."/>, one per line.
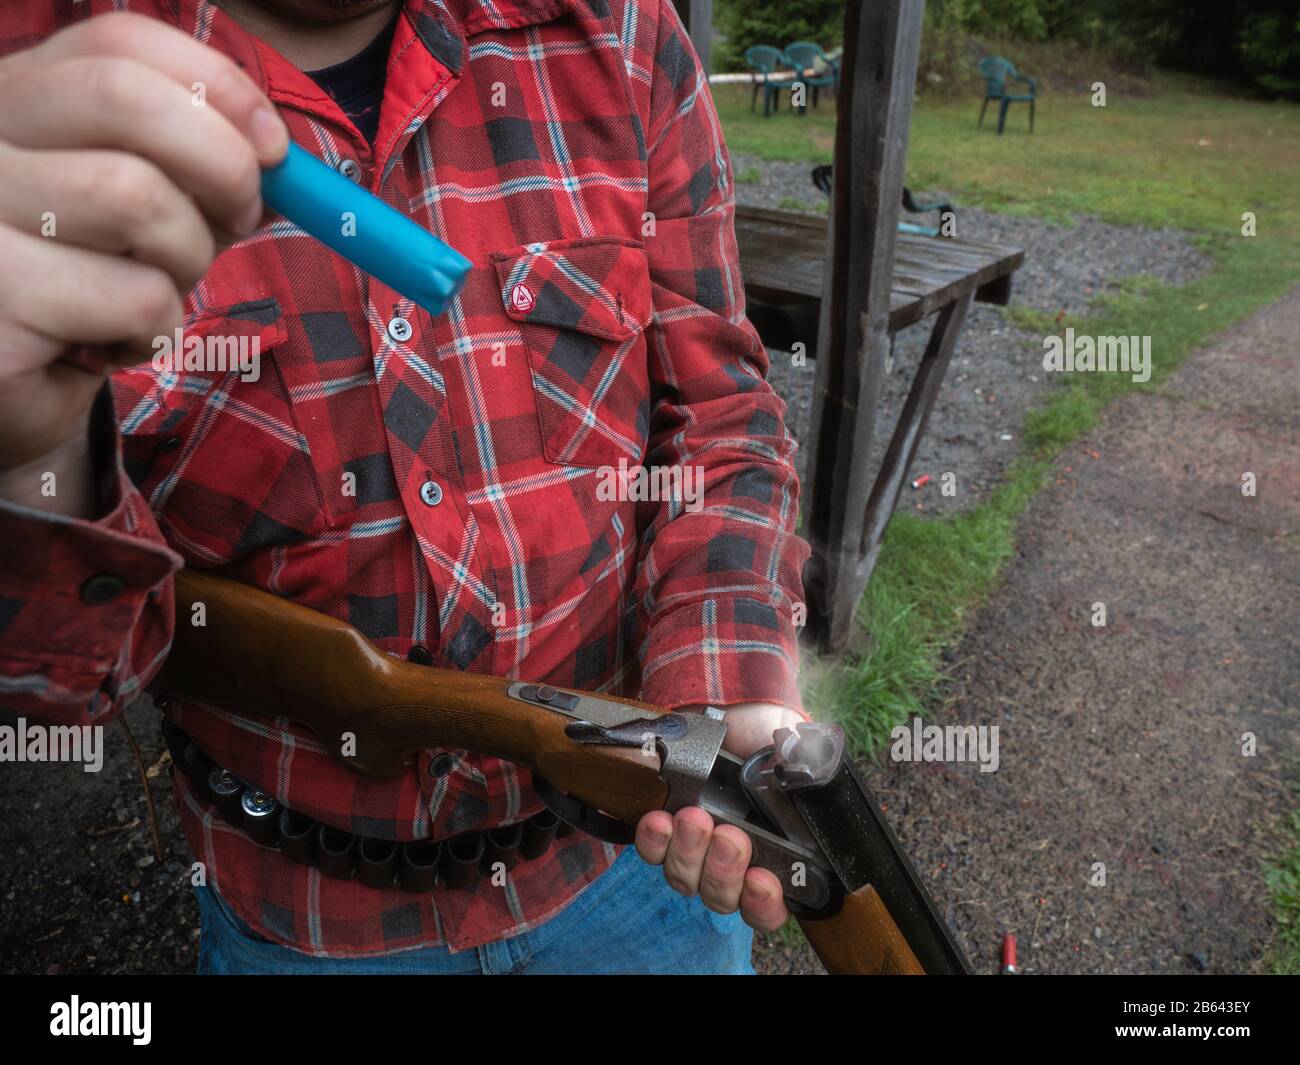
<point x="357" y="84"/>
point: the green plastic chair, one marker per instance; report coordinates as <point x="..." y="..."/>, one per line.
<point x="823" y="175"/>
<point x="765" y="61"/>
<point x="808" y="55"/>
<point x="996" y="71"/>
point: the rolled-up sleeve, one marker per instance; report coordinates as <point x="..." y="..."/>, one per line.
<point x="719" y="584"/>
<point x="85" y="606"/>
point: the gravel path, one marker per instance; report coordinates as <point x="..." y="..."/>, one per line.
<point x="994" y="379"/>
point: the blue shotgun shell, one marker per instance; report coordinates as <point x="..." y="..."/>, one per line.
<point x="384" y="242"/>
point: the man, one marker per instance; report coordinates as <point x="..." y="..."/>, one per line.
<point x="434" y="482"/>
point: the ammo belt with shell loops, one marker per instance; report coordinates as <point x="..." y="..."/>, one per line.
<point x="418" y="866"/>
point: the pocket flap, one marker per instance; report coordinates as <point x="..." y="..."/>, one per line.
<point x="182" y="374"/>
<point x="596" y="285"/>
<point x="260" y="319"/>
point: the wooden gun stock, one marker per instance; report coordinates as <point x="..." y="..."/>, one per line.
<point x="261" y="654"/>
<point x="265" y="655"/>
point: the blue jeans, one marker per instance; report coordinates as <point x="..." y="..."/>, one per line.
<point x="628" y="921"/>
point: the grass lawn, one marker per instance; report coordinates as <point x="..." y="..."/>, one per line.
<point x="1183" y="159"/>
<point x="1284" y="883"/>
<point x="1180" y="158"/>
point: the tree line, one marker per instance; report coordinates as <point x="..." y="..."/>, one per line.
<point x="1253" y="43"/>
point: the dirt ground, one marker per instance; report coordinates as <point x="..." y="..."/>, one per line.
<point x="1123" y="744"/>
<point x="82" y="890"/>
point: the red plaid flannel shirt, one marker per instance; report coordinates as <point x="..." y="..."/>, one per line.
<point x="571" y="150"/>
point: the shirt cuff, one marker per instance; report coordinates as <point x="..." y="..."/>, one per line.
<point x="72" y="587"/>
<point x="722" y="651"/>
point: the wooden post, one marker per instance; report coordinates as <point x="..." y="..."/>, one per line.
<point x="878" y="79"/>
<point x="697" y="16"/>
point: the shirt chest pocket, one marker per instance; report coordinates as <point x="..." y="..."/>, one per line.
<point x="582" y="307"/>
<point x="210" y="437"/>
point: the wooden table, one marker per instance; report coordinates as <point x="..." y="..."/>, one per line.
<point x="782" y="259"/>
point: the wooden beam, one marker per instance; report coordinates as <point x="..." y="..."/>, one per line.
<point x="901" y="451"/>
<point x="697" y="16"/>
<point x="878" y="80"/>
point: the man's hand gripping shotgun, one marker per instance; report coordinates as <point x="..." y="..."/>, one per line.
<point x="598" y="762"/>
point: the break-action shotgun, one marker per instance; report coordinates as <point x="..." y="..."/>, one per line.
<point x="598" y="762"/>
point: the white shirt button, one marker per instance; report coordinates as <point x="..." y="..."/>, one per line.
<point x="399" y="329"/>
<point x="431" y="493"/>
